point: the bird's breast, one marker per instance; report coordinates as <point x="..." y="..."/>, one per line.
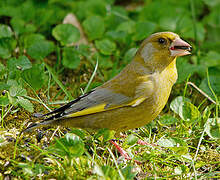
<point x="163" y="83"/>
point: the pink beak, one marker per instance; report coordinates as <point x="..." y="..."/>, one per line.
<point x="180" y="48"/>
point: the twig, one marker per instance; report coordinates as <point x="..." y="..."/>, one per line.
<point x="202" y="92"/>
<point x="54" y="133"/>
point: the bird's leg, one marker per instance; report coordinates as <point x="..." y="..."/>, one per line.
<point x="123" y="152"/>
<point x="120" y="150"/>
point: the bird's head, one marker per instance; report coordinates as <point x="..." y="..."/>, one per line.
<point x="160" y="49"/>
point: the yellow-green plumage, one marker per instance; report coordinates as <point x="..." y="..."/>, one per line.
<point x="134" y="97"/>
<point x="129" y="117"/>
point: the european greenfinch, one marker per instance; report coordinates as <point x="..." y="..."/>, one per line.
<point x="131" y="99"/>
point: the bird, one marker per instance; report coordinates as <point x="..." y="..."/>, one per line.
<point x="131" y="99"/>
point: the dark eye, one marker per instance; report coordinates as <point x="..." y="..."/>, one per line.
<point x="162" y="41"/>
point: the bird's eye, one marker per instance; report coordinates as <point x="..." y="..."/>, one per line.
<point x="162" y="40"/>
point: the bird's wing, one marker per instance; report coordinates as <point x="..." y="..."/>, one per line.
<point x="99" y="100"/>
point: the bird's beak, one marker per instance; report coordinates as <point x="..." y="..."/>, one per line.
<point x="180" y="48"/>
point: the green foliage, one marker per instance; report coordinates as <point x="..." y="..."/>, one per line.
<point x="25" y="103"/>
<point x="4" y="101"/>
<point x="34" y="76"/>
<point x="131" y="139"/>
<point x="22" y="63"/>
<point x="5" y="31"/>
<point x="143" y="30"/>
<point x="212" y="128"/>
<point x="66" y="33"/>
<point x="30" y="39"/>
<point x="104" y="134"/>
<point x="94" y="27"/>
<point x="185" y="109"/>
<point x="177" y="103"/>
<point x="167" y="120"/>
<point x="12" y="87"/>
<point x="7" y="45"/>
<point x="214" y="79"/>
<point x="129" y="54"/>
<point x="21" y="27"/>
<point x="106" y="46"/>
<point x="40" y="49"/>
<point x="70" y="145"/>
<point x="71" y="57"/>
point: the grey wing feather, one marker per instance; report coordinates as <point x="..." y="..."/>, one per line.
<point x="97" y="97"/>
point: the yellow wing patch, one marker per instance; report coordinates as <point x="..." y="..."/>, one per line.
<point x="101" y="108"/>
<point x="91" y="110"/>
<point x="137" y="101"/>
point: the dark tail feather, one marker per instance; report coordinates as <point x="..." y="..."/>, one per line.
<point x="35" y="125"/>
<point x="54" y="115"/>
<point x="30" y="127"/>
<point x="49" y="118"/>
<point x="63" y="108"/>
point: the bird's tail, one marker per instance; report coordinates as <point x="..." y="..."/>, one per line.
<point x="48" y="118"/>
<point x="54" y="116"/>
<point x="35" y="125"/>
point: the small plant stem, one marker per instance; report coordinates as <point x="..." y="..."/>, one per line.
<point x="62" y="145"/>
<point x="58" y="82"/>
<point x="198" y="146"/>
<point x="184" y="94"/>
<point x="120" y="15"/>
<point x="54" y="133"/>
<point x="185" y="88"/>
<point x="15" y="149"/>
<point x="48" y="87"/>
<point x="97" y="166"/>
<point x="194" y="169"/>
<point x="2" y="117"/>
<point x="101" y="76"/>
<point x="113" y="157"/>
<point x="10" y="107"/>
<point x="58" y="102"/>
<point x="92" y="77"/>
<point x="57" y="65"/>
<point x="39" y="99"/>
<point x="16" y="144"/>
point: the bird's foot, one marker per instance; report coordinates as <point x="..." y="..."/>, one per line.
<point x="122" y="151"/>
